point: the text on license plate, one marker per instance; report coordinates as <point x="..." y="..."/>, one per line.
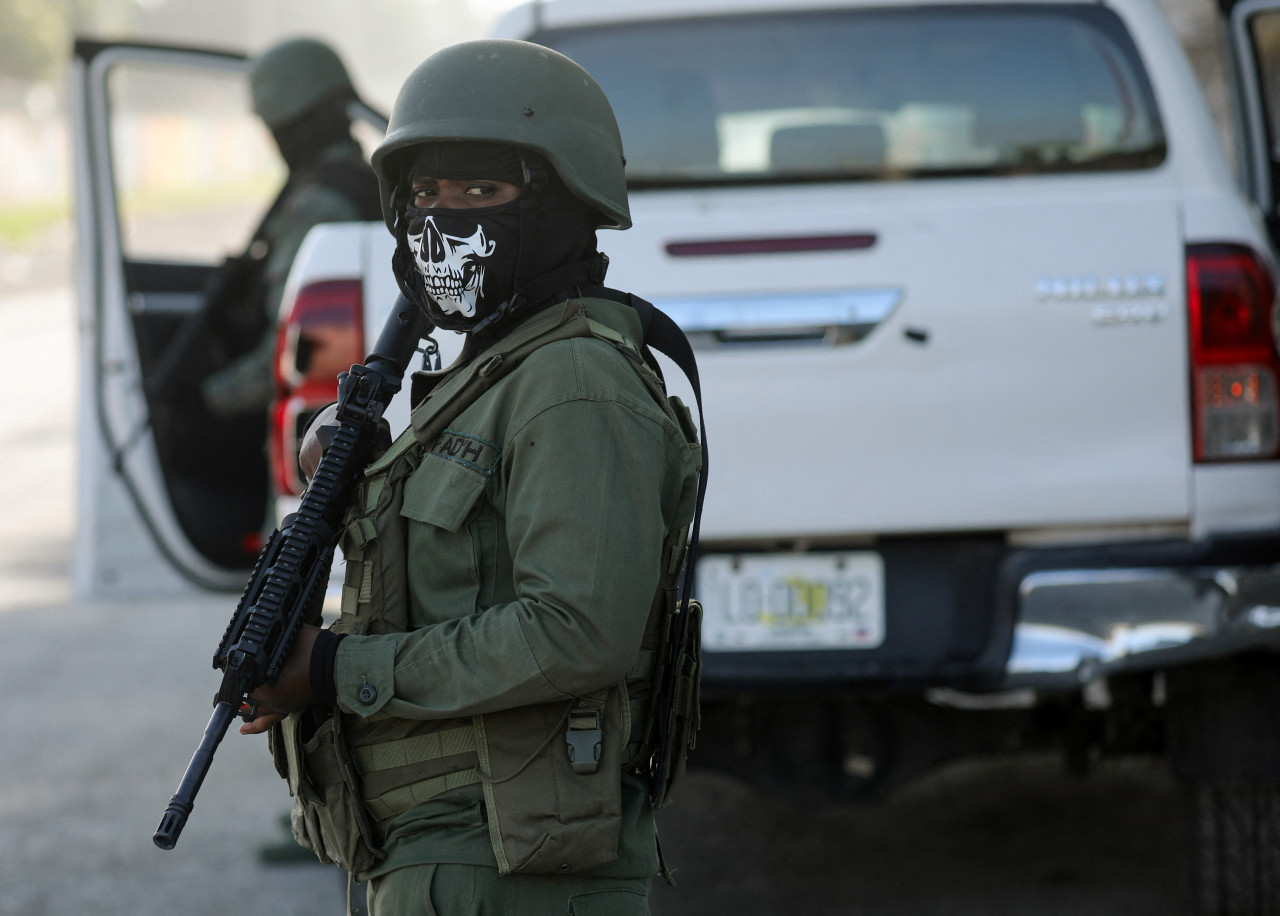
<point x="792" y="601"/>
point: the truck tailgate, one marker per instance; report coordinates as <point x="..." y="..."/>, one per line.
<point x="1039" y="378"/>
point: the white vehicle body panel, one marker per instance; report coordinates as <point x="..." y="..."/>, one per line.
<point x="843" y="433"/>
<point x="1030" y="350"/>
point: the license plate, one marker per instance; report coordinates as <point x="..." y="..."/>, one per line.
<point x="792" y="601"/>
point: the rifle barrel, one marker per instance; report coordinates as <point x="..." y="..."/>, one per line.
<point x="175" y="816"/>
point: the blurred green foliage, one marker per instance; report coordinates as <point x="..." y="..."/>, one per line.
<point x="35" y="35"/>
<point x="23" y="224"/>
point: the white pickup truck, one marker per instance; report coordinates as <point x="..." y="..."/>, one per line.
<point x="987" y="331"/>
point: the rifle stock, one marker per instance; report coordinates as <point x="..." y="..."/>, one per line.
<point x="292" y="570"/>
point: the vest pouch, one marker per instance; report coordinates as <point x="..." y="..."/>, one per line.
<point x="276" y="745"/>
<point x="676" y="702"/>
<point x="328" y="816"/>
<point x="546" y="815"/>
<point x="436" y="502"/>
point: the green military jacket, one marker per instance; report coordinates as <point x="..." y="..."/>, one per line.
<point x="534" y="530"/>
<point x="306" y="201"/>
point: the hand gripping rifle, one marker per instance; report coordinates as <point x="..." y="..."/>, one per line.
<point x="293" y="568"/>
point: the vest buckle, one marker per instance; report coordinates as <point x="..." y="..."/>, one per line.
<point x="584" y="739"/>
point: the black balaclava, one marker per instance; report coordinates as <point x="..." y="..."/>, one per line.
<point x="303" y="139"/>
<point x="478" y="268"/>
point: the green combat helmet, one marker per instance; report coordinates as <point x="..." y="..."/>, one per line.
<point x="517" y="93"/>
<point x="292" y="77"/>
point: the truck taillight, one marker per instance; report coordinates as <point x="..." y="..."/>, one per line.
<point x="321" y="336"/>
<point x="1231" y="296"/>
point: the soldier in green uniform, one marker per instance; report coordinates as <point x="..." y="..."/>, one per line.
<point x="471" y="735"/>
<point x="300" y="90"/>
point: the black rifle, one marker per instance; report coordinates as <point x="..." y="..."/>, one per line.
<point x="293" y="568"/>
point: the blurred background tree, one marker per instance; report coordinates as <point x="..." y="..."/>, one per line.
<point x="31" y="38"/>
<point x="380" y="39"/>
<point x="35" y="34"/>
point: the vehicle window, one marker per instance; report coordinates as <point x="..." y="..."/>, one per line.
<point x="195" y="169"/>
<point x="873" y="94"/>
<point x="1265" y="34"/>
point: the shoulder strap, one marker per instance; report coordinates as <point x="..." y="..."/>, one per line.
<point x="259" y="232"/>
<point x="662" y="334"/>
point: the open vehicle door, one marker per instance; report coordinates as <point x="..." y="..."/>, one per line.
<point x="173" y="174"/>
<point x="1253" y="46"/>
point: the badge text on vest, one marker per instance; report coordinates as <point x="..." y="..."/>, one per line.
<point x="469" y="450"/>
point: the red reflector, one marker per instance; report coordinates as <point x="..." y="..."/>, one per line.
<point x="321" y="336"/>
<point x="771" y="246"/>
<point x="323" y="333"/>
<point x="1234" y="363"/>
<point x="284" y="448"/>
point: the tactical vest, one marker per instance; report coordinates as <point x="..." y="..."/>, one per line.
<point x="550" y="773"/>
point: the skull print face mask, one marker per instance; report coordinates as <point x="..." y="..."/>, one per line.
<point x="477" y="269"/>
<point x="466" y="259"/>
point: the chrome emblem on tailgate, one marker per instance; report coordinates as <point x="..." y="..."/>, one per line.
<point x="1139" y="295"/>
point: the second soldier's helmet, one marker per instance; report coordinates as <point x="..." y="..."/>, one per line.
<point x="516" y="93"/>
<point x="291" y="78"/>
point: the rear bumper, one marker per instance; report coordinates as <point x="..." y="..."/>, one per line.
<point x="1074" y="625"/>
<point x="974" y="614"/>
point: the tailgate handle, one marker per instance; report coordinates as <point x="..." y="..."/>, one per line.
<point x="826" y="318"/>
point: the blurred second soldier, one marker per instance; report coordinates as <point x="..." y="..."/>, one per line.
<point x="301" y="91"/>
